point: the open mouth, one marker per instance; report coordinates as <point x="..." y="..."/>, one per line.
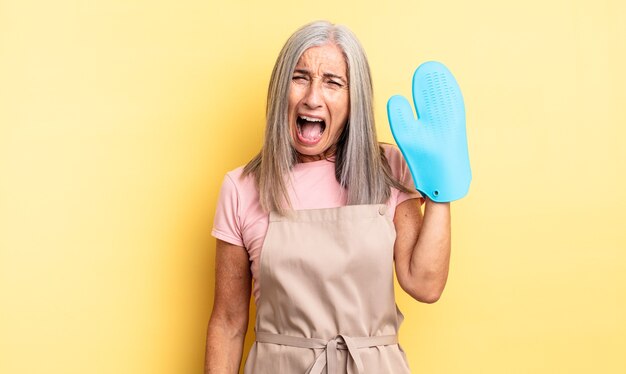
<point x="310" y="129"/>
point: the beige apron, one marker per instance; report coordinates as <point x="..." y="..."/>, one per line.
<point x="327" y="299"/>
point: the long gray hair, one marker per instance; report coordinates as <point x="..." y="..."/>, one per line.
<point x="360" y="165"/>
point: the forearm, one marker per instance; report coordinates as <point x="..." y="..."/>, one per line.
<point x="430" y="258"/>
<point x="224" y="348"/>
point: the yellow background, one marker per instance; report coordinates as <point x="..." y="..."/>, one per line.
<point x="118" y="120"/>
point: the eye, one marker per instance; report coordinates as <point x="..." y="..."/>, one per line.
<point x="299" y="78"/>
<point x="334" y="84"/>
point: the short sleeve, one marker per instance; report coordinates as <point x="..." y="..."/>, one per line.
<point x="400" y="169"/>
<point x="407" y="180"/>
<point x="227" y="223"/>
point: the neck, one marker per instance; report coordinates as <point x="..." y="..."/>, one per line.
<point x="330" y="152"/>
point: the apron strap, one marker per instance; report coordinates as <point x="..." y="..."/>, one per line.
<point x="328" y="358"/>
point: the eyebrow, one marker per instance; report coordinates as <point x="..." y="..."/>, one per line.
<point x="325" y="75"/>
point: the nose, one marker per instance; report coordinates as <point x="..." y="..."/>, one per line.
<point x="313" y="98"/>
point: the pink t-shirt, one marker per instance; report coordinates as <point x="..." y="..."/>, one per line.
<point x="239" y="219"/>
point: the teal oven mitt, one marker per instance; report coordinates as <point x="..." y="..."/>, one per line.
<point x="435" y="145"/>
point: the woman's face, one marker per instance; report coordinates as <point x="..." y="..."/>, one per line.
<point x="319" y="101"/>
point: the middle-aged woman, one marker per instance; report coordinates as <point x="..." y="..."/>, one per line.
<point x="317" y="220"/>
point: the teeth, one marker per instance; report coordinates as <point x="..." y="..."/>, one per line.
<point x="311" y="119"/>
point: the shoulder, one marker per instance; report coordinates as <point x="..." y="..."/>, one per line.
<point x="237" y="203"/>
<point x="392" y="152"/>
<point x="400" y="170"/>
<point x="243" y="185"/>
<point x="238" y="188"/>
<point x="394" y="158"/>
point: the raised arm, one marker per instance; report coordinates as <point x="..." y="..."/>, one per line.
<point x="435" y="148"/>
<point x="229" y="319"/>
